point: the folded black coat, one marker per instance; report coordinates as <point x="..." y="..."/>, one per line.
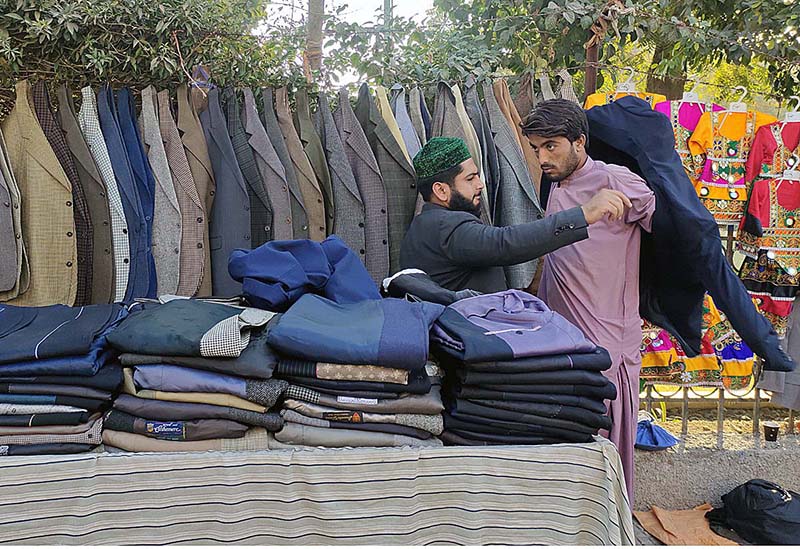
<point x="605" y="392"/>
<point x="36" y="420"/>
<point x="568" y="413"/>
<point x="469" y="438"/>
<point x="413" y="284"/>
<point x="488" y="412"/>
<point x="560" y="377"/>
<point x="596" y="361"/>
<point x="108" y="378"/>
<point x="356" y="394"/>
<point x="681" y="258"/>
<point x="47" y="389"/>
<point x="90" y="404"/>
<point x="477" y="424"/>
<point x="474" y="393"/>
<point x="53" y="449"/>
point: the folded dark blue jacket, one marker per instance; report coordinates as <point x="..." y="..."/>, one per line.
<point x="383" y="332"/>
<point x="35" y="333"/>
<point x="278" y="273"/>
<point x="682" y="256"/>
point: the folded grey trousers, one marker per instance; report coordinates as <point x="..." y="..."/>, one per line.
<point x="295" y="433"/>
<point x="430" y="403"/>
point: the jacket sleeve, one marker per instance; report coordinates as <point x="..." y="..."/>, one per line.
<point x="470" y="243"/>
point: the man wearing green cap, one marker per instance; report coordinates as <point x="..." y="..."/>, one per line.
<point x="449" y="242"/>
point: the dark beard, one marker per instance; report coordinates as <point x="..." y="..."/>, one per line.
<point x="572" y="165"/>
<point x="460" y="203"/>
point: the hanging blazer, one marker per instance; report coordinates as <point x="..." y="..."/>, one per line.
<point x="194" y="224"/>
<point x="229" y="226"/>
<point x="404" y="122"/>
<point x="269" y="165"/>
<point x="480" y="121"/>
<point x="139" y="274"/>
<point x="270" y="119"/>
<point x="368" y="178"/>
<point x="48" y="223"/>
<point x="261" y="216"/>
<point x="96" y="199"/>
<point x="681" y="257"/>
<point x="398" y="174"/>
<point x="142" y="176"/>
<point x="83" y="224"/>
<point x="415" y="104"/>
<point x="313" y="198"/>
<point x="348" y="223"/>
<point x="167" y="222"/>
<point x="196" y="150"/>
<point x="516" y="201"/>
<point x="315" y="153"/>
<point x="14" y="269"/>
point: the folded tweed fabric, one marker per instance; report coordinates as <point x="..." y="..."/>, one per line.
<point x="254" y="440"/>
<point x="341" y="372"/>
<point x="295" y="433"/>
<point x="389" y="428"/>
<point x="431" y="423"/>
<point x="430" y="403"/>
<point x="90" y="435"/>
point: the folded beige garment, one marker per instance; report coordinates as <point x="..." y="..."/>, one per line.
<point x="256" y="438"/>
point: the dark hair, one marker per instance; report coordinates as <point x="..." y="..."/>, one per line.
<point x="448" y="176"/>
<point x="556" y="118"/>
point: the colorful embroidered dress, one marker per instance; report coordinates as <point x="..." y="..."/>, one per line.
<point x="772" y="151"/>
<point x="684" y="117"/>
<point x="597" y="99"/>
<point x="720" y="145"/>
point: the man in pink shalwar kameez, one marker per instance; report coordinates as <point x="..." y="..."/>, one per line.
<point x="595" y="283"/>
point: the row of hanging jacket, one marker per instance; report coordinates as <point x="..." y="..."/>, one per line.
<point x="109" y="202"/>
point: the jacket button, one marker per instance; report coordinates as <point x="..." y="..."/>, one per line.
<point x="107" y="251"/>
<point x="211" y="193"/>
<point x="572" y="225"/>
<point x="105" y="223"/>
<point x="176" y="250"/>
<point x="199" y="219"/>
<point x="413" y="185"/>
<point x="557" y="233"/>
<point x="124" y="231"/>
<point x="18" y="236"/>
<point x="361" y="225"/>
<point x="148" y="218"/>
<point x="383" y="210"/>
<point x="126" y="261"/>
<point x="385" y="242"/>
<point x="69" y="263"/>
<point x="7" y="204"/>
<point x="247" y="237"/>
<point x="305" y="227"/>
<point x="266" y="229"/>
<point x="319" y="201"/>
<point x="362" y="252"/>
<point x="69" y="233"/>
<point x="69" y="203"/>
<point x="199" y="245"/>
<point x="102" y="195"/>
<point x="178" y="225"/>
<point x="322" y="229"/>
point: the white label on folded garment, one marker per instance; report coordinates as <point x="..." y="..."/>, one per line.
<point x="352" y="400"/>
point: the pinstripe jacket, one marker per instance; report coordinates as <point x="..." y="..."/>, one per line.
<point x="370" y="186"/>
<point x="270" y="119"/>
<point x="167" y="222"/>
<point x="517" y="201"/>
<point x="398" y="174"/>
<point x="348" y="223"/>
<point x="48" y="224"/>
<point x="193" y="229"/>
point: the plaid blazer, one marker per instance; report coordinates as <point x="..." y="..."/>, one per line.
<point x="370" y="186"/>
<point x="510" y="113"/>
<point x="517" y="201"/>
<point x="14" y="268"/>
<point x="194" y="226"/>
<point x="96" y="199"/>
<point x="83" y="223"/>
<point x="229" y="222"/>
<point x="315" y="152"/>
<point x="398" y="174"/>
<point x="313" y="198"/>
<point x="196" y="150"/>
<point x="261" y="215"/>
<point x="348" y="223"/>
<point x="270" y="119"/>
<point x="167" y="221"/>
<point x="90" y="127"/>
<point x="269" y="165"/>
<point x="48" y="223"/>
<point x="404" y="122"/>
<point x="139" y="275"/>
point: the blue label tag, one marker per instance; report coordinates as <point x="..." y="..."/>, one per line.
<point x="174" y="430"/>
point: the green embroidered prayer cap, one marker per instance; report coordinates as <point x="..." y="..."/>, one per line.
<point x="440" y="154"/>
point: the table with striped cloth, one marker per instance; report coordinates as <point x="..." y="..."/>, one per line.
<point x="553" y="495"/>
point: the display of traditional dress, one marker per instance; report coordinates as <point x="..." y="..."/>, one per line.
<point x="773" y="150"/>
<point x="720" y="145"/>
<point x="684" y="116"/>
<point x="602" y="98"/>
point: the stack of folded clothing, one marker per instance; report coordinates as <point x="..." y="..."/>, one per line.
<point x="359" y="373"/>
<point x="518" y="373"/>
<point x="197" y="376"/>
<point x="57" y="377"/>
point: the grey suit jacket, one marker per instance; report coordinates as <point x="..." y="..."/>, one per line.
<point x="480" y="121"/>
<point x="269" y="165"/>
<point x="229" y="222"/>
<point x="312" y="145"/>
<point x="415" y="100"/>
<point x="370" y="186"/>
<point x="348" y="222"/>
<point x="103" y="289"/>
<point x="398" y="175"/>
<point x="517" y="201"/>
<point x="167" y="222"/>
<point x="270" y="119"/>
<point x="401" y="114"/>
<point x="459" y="252"/>
<point x="11" y="246"/>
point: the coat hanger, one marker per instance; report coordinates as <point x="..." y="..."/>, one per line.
<point x="792" y="174"/>
<point x="628" y="86"/>
<point x="740" y="105"/>
<point x="692" y="95"/>
<point x="794" y="114"/>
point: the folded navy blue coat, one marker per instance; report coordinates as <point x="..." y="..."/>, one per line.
<point x="278" y="273"/>
<point x="35" y="333"/>
<point x="382" y="332"/>
<point x="595" y="361"/>
<point x="682" y="256"/>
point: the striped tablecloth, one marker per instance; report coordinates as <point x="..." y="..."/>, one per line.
<point x="562" y="494"/>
